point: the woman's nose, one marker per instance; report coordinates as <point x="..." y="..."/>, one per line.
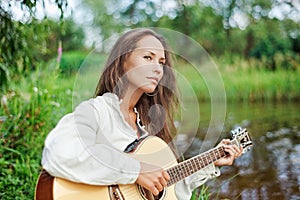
<point x="158" y="68"/>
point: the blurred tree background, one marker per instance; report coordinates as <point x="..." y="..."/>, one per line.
<point x="257" y="29"/>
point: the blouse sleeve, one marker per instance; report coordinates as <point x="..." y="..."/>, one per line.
<point x="184" y="188"/>
<point x="72" y="152"/>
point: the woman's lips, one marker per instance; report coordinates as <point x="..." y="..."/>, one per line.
<point x="155" y="79"/>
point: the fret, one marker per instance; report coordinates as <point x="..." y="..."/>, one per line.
<point x="201" y="163"/>
<point x="208" y="157"/>
<point x="195" y="166"/>
<point x="192" y="167"/>
<point x="185" y="169"/>
<point x="197" y="163"/>
<point x="172" y="174"/>
<point x="204" y="159"/>
<point x="215" y="155"/>
<point x="219" y="153"/>
<point x="180" y="171"/>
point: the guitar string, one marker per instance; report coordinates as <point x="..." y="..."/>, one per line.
<point x="186" y="168"/>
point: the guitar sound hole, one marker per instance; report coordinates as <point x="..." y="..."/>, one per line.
<point x="147" y="195"/>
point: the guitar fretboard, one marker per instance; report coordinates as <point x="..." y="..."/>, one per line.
<point x="192" y="165"/>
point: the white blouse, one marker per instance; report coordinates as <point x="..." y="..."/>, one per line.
<point x="87" y="146"/>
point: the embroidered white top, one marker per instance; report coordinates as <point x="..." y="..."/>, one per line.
<point x="87" y="146"/>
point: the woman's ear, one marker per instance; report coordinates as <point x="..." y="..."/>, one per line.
<point x="126" y="63"/>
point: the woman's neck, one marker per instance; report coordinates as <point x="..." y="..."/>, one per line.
<point x="130" y="99"/>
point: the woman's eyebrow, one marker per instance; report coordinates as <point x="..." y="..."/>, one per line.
<point x="154" y="54"/>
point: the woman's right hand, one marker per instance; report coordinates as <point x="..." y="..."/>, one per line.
<point x="152" y="178"/>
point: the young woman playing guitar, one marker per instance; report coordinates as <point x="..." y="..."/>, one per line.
<point x="135" y="98"/>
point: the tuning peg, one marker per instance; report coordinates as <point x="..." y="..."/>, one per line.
<point x="235" y="131"/>
<point x="247" y="146"/>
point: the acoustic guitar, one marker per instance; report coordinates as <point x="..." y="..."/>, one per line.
<point x="54" y="188"/>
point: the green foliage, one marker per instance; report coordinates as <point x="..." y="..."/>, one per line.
<point x="70" y="34"/>
<point x="28" y="111"/>
<point x="23" y="43"/>
<point x="13" y="46"/>
<point x="269" y="46"/>
<point x="201" y="193"/>
<point x="72" y="61"/>
<point x="31" y="48"/>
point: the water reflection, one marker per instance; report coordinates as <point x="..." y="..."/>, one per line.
<point x="271" y="170"/>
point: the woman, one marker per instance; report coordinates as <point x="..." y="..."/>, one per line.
<point x="135" y="97"/>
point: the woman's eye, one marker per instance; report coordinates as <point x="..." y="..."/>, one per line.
<point x="147" y="57"/>
<point x="162" y="63"/>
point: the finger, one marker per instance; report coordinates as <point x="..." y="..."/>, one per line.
<point x="238" y="151"/>
<point x="154" y="190"/>
<point x="158" y="186"/>
<point x="225" y="141"/>
<point x="163" y="182"/>
<point x="241" y="150"/>
<point x="229" y="149"/>
<point x="166" y="175"/>
<point x="236" y="148"/>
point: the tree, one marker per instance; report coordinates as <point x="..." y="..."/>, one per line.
<point x="17" y="37"/>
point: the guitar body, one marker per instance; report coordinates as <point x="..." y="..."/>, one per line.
<point x="151" y="150"/>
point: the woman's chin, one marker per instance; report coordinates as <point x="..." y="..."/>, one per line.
<point x="150" y="90"/>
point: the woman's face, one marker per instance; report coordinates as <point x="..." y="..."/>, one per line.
<point x="144" y="66"/>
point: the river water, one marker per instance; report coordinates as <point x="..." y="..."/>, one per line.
<point x="271" y="169"/>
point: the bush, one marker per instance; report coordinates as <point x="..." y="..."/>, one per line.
<point x="71" y="62"/>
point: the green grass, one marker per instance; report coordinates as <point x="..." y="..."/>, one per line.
<point x="201" y="193"/>
<point x="31" y="106"/>
<point x="248" y="85"/>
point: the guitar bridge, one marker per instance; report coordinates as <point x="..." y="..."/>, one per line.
<point x="115" y="193"/>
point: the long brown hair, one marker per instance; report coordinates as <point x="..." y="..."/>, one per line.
<point x="156" y="112"/>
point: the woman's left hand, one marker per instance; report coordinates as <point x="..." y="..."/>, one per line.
<point x="233" y="152"/>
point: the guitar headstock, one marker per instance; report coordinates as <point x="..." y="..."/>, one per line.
<point x="240" y="137"/>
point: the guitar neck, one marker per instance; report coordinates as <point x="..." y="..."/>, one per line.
<point x="194" y="164"/>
